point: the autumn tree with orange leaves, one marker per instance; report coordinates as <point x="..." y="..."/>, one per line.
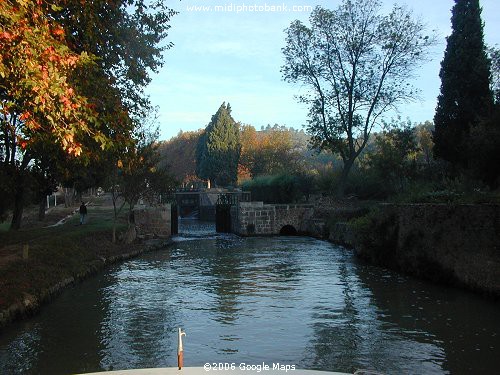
<point x="37" y="102"/>
<point x="72" y="73"/>
<point x="267" y="152"/>
<point x="37" y="99"/>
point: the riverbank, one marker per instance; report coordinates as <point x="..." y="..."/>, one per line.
<point x="36" y="263"/>
<point x="453" y="244"/>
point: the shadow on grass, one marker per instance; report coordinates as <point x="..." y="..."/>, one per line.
<point x="56" y="253"/>
<point x="99" y="219"/>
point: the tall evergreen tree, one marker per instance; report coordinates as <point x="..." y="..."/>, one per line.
<point x="465" y="95"/>
<point x="219" y="149"/>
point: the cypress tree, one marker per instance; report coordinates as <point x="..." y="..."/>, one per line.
<point x="465" y="95"/>
<point x="219" y="149"/>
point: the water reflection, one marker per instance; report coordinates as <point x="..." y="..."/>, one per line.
<point x="12" y="356"/>
<point x="356" y="334"/>
<point x="289" y="300"/>
<point x="337" y="332"/>
<point x="138" y="322"/>
<point x="226" y="270"/>
<point x="64" y="334"/>
<point x="458" y="327"/>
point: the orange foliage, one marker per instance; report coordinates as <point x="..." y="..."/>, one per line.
<point x="35" y="64"/>
<point x="179" y="153"/>
<point x="265" y="152"/>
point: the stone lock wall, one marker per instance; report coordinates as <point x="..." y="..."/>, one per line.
<point x="257" y="218"/>
<point x="463" y="240"/>
<point x="153" y="221"/>
<point x="459" y="243"/>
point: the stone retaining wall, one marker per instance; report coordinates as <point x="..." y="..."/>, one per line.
<point x="458" y="244"/>
<point x="153" y="221"/>
<point x="257" y="218"/>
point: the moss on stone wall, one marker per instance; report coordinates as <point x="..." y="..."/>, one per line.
<point x="454" y="244"/>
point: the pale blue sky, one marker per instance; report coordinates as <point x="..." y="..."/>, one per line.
<point x="236" y="58"/>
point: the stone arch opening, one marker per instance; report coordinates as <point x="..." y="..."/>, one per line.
<point x="288" y="230"/>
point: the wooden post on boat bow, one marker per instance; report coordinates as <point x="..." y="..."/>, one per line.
<point x="180" y="350"/>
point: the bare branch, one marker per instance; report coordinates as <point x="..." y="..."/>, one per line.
<point x="356" y="63"/>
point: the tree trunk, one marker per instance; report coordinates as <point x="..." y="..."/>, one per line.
<point x="17" y="214"/>
<point x="343" y="177"/>
<point x="68" y="197"/>
<point x="19" y="181"/>
<point x="113" y="237"/>
<point x="130" y="218"/>
<point x="78" y="196"/>
<point x="130" y="235"/>
<point x="41" y="209"/>
<point x="115" y="215"/>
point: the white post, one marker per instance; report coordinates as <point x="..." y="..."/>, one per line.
<point x="180" y="349"/>
<point x="48" y="201"/>
<point x="55" y="199"/>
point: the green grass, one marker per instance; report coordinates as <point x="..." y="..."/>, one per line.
<point x="4" y="227"/>
<point x="448" y="196"/>
<point x="99" y="219"/>
<point x="55" y="253"/>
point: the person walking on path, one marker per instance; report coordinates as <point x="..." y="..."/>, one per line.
<point x="83" y="213"/>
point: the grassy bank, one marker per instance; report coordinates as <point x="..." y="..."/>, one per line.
<point x="34" y="260"/>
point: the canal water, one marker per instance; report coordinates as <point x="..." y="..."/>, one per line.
<point x="287" y="300"/>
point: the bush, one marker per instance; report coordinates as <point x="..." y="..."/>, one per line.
<point x="282" y="188"/>
<point x="376" y="236"/>
<point x="484" y="150"/>
<point x="461" y="190"/>
<point x="362" y="183"/>
<point x="365" y="184"/>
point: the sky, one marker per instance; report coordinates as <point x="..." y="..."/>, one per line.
<point x="234" y="56"/>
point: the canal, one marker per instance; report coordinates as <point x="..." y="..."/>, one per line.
<point x="288" y="300"/>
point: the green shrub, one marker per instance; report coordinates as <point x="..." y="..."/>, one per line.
<point x="457" y="191"/>
<point x="282" y="188"/>
<point x="376" y="236"/>
<point x="327" y="180"/>
<point x="363" y="183"/>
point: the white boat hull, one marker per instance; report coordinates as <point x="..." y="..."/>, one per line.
<point x="202" y="371"/>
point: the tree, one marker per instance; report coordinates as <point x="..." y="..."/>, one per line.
<point x="72" y="73"/>
<point x="136" y="175"/>
<point x="126" y="36"/>
<point x="423" y="133"/>
<point x="355" y="63"/>
<point x="36" y="95"/>
<point x="179" y="154"/>
<point x="465" y="95"/>
<point x="218" y="151"/>
<point x="268" y="152"/>
<point x="394" y="157"/>
<point x="249" y="140"/>
<point x="38" y="102"/>
<point x="484" y="145"/>
<point x="484" y="149"/>
<point x="494" y="55"/>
